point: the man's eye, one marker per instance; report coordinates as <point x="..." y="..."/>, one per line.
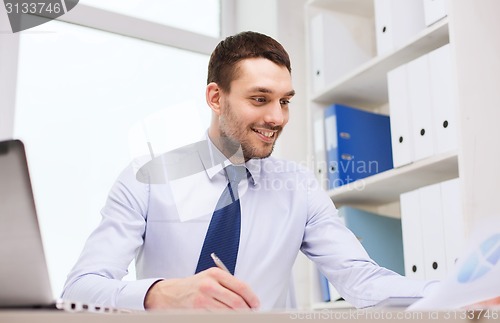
<point x="260" y="100"/>
<point x="285" y="102"/>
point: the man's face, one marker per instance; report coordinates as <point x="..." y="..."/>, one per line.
<point x="255" y="111"/>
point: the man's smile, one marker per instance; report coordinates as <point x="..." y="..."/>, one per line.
<point x="266" y="135"/>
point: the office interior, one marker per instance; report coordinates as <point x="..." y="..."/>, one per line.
<point x="86" y="91"/>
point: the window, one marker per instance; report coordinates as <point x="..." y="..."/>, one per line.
<point x="200" y="16"/>
<point x="87" y="101"/>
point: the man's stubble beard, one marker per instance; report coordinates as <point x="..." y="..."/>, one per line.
<point x="231" y="129"/>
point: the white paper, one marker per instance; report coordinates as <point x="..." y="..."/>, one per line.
<point x="476" y="277"/>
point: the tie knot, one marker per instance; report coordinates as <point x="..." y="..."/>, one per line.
<point x="235" y="173"/>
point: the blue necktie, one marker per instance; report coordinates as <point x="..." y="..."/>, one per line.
<point x="223" y="234"/>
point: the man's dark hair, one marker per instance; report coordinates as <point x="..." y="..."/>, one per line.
<point x="222" y="68"/>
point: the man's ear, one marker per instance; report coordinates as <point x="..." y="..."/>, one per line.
<point x="213" y="97"/>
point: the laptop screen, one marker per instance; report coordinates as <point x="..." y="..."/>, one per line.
<point x="24" y="278"/>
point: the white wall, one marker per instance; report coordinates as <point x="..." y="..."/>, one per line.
<point x="472" y="31"/>
<point x="291" y="33"/>
<point x="8" y="69"/>
<point x="284" y="21"/>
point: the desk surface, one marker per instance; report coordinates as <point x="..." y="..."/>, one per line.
<point x="368" y="316"/>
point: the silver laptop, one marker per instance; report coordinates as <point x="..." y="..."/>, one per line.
<point x="24" y="277"/>
<point x="23" y="270"/>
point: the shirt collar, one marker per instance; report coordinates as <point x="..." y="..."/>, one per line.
<point x="214" y="162"/>
<point x="254" y="167"/>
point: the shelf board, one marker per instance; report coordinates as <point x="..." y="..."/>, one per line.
<point x="386" y="187"/>
<point x="354" y="7"/>
<point x="331" y="305"/>
<point x="366" y="86"/>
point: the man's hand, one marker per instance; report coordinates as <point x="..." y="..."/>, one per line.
<point x="209" y="289"/>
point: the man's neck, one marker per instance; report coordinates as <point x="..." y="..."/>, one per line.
<point x="229" y="149"/>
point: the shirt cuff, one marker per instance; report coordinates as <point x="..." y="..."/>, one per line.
<point x="133" y="293"/>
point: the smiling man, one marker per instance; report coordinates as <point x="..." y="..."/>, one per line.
<point x="226" y="195"/>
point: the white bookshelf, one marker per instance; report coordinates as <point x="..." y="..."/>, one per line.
<point x="365" y="86"/>
<point x="475" y="50"/>
<point x="371" y="76"/>
<point x="385" y="187"/>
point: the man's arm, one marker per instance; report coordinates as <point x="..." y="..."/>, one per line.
<point x="97" y="276"/>
<point x="344" y="261"/>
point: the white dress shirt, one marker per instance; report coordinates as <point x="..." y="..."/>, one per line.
<point x="159" y="214"/>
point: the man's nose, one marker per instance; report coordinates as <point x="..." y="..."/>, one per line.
<point x="275" y="114"/>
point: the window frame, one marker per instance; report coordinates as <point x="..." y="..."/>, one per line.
<point x="108" y="21"/>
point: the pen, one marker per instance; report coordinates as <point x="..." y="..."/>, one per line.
<point x="221" y="265"/>
<point x="219" y="262"/>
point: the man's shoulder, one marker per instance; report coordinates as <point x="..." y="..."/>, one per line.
<point x="172" y="164"/>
